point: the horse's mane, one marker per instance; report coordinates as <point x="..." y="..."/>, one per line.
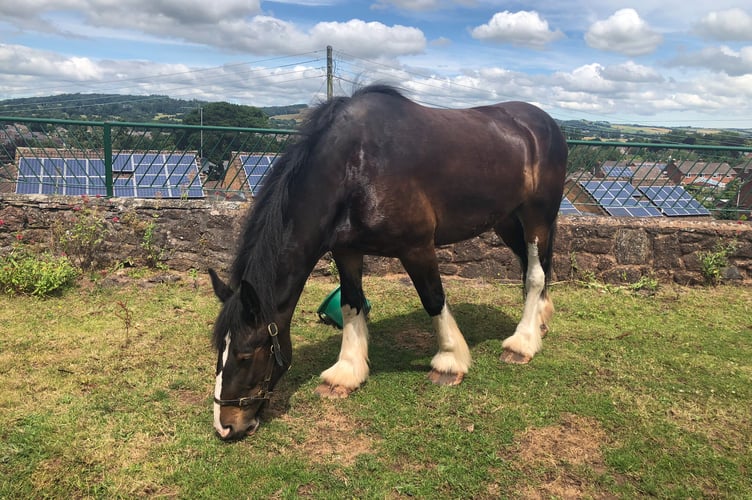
<point x="266" y="229"/>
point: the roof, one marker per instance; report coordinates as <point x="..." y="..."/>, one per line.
<point x="690" y="167"/>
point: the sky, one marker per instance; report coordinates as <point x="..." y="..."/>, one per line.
<point x="653" y="62"/>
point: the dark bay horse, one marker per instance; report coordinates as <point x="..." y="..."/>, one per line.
<point x="378" y="174"/>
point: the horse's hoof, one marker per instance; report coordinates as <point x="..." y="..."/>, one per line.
<point x="445" y="378"/>
<point x="333" y="391"/>
<point x="515" y="358"/>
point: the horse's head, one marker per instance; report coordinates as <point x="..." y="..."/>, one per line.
<point x="250" y="360"/>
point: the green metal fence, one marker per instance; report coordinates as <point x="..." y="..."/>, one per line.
<point x="40" y="156"/>
<point x="68" y="157"/>
<point x="714" y="178"/>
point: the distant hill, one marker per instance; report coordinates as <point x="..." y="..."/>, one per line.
<point x="160" y="108"/>
<point x="588" y="130"/>
<point x="117" y="107"/>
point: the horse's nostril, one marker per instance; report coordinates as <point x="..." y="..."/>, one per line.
<point x="225" y="431"/>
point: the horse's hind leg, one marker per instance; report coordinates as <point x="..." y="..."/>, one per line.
<point x="452" y="361"/>
<point x="351" y="368"/>
<point x="532" y="241"/>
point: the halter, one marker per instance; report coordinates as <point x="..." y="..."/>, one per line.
<point x="264" y="394"/>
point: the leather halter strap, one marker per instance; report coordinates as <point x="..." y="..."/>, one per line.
<point x="264" y="393"/>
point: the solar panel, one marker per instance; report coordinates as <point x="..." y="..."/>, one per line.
<point x="674" y="201"/>
<point x="134" y="175"/>
<point x="618" y="171"/>
<point x="122" y="163"/>
<point x="256" y="166"/>
<point x="566" y="208"/>
<point x="620" y="199"/>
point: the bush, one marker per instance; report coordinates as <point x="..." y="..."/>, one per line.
<point x="713" y="263"/>
<point x="25" y="273"/>
<point x="82" y="236"/>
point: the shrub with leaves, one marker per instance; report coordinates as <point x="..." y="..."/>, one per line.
<point x="82" y="236"/>
<point x="713" y="263"/>
<point x="22" y="272"/>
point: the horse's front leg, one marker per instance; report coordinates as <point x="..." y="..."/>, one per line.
<point x="351" y="369"/>
<point x="452" y="361"/>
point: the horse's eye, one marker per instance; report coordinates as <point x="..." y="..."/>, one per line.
<point x="245" y="356"/>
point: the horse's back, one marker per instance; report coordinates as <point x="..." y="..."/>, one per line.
<point x="419" y="172"/>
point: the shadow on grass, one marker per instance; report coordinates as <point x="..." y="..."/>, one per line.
<point x="403" y="343"/>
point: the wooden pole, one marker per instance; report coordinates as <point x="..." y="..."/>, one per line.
<point x="329" y="75"/>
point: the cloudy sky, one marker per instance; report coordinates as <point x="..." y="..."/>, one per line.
<point x="657" y="62"/>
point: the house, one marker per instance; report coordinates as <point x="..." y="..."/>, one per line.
<point x="650" y="172"/>
<point x="616" y="170"/>
<point x="744" y="169"/>
<point x="711" y="174"/>
<point x="745" y="196"/>
<point x="744" y="173"/>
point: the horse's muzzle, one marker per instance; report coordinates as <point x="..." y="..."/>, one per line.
<point x="235" y="432"/>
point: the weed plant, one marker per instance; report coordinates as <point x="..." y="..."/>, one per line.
<point x="82" y="235"/>
<point x="713" y="263"/>
<point x="23" y="272"/>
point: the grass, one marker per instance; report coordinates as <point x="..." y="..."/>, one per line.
<point x="633" y="395"/>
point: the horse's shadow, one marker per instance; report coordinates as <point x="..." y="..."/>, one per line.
<point x="396" y="344"/>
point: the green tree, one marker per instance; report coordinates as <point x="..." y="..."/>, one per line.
<point x="217" y="146"/>
<point x="224" y="114"/>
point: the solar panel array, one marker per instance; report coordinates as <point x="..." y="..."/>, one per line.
<point x="620" y="199"/>
<point x="567" y="208"/>
<point x="618" y="171"/>
<point x="139" y="175"/>
<point x="674" y="201"/>
<point x="256" y="166"/>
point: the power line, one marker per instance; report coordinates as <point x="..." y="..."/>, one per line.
<point x="425" y="88"/>
<point x="270" y="73"/>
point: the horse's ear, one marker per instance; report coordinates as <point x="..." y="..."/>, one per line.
<point x="221" y="290"/>
<point x="249" y="298"/>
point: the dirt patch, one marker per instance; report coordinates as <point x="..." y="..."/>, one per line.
<point x="418" y="341"/>
<point x="189" y="398"/>
<point x="560" y="461"/>
<point x="331" y="437"/>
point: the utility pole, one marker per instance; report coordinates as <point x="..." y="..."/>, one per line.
<point x="329" y="76"/>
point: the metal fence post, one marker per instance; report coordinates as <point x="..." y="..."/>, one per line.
<point x="108" y="183"/>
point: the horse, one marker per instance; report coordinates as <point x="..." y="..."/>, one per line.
<point x="378" y="174"/>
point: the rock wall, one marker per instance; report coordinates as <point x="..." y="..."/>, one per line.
<point x="197" y="234"/>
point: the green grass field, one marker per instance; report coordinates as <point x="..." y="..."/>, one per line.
<point x="106" y="393"/>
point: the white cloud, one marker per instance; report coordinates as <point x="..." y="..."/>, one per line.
<point x="587" y="78"/>
<point x="624" y="32"/>
<point x="719" y="59"/>
<point x="441" y="42"/>
<point x="631" y="72"/>
<point x="372" y="40"/>
<point x="181" y="12"/>
<point x="34" y="63"/>
<point x="522" y="28"/>
<point x="727" y="25"/>
<point x="413" y="5"/>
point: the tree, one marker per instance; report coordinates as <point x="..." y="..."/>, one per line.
<point x="224" y="114"/>
<point x="217" y="146"/>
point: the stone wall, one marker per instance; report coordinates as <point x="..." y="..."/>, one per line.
<point x="197" y="234"/>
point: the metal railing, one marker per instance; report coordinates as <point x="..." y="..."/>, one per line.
<point x="717" y="178"/>
<point x="108" y="158"/>
<point x="171" y="160"/>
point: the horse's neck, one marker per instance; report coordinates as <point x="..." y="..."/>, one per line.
<point x="301" y="249"/>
